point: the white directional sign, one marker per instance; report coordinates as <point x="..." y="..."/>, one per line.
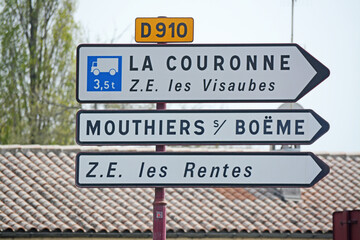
<point x="199" y="169"/>
<point x="199" y="127"/>
<point x="196" y="73"/>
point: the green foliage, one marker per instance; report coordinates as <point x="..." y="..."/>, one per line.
<point x="37" y="72"/>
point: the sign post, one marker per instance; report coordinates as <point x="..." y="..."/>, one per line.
<point x="159" y="205"/>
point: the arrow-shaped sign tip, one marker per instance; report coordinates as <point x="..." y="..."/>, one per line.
<point x="322" y="72"/>
<point x="325" y="169"/>
<point x="325" y="126"/>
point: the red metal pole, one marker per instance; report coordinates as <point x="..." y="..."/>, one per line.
<point x="159" y="205"/>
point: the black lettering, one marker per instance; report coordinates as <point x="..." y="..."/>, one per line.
<point x="189" y="167"/>
<point x="147" y="64"/>
<point x="202" y="172"/>
<point x="236" y="172"/>
<point x="186" y="68"/>
<point x="187" y="86"/>
<point x="170" y="126"/>
<point x="89" y="175"/>
<point x="240" y="129"/>
<point x="184" y="127"/>
<point x="252" y="85"/>
<point x="231" y="86"/>
<point x="121" y="130"/>
<point x="135" y="81"/>
<point x="215" y="171"/>
<point x="160" y="127"/>
<point x="170" y="86"/>
<point x="299" y="127"/>
<point x="132" y="68"/>
<point x="202" y="68"/>
<point x="93" y="128"/>
<point x="178" y="30"/>
<point x="151" y="172"/>
<point x="271" y="86"/>
<point x="198" y="126"/>
<point x="226" y="167"/>
<point x="241" y="86"/>
<point x="206" y="85"/>
<point x="177" y="87"/>
<point x="283" y="128"/>
<point x="284" y="62"/>
<point x="248" y="171"/>
<point x="110" y="169"/>
<point x="262" y="86"/>
<point x="252" y="123"/>
<point x="267" y="125"/>
<point x="235" y="65"/>
<point x="251" y="61"/>
<point x="143" y="34"/>
<point x="214" y="87"/>
<point x="141" y="169"/>
<point x="269" y="62"/>
<point x="172" y="27"/>
<point x="161" y="28"/>
<point x="148" y="127"/>
<point x="222" y="86"/>
<point x="112" y="126"/>
<point x="150" y="84"/>
<point x="218" y="62"/>
<point x="163" y="171"/>
<point x="171" y="68"/>
<point x="136" y="122"/>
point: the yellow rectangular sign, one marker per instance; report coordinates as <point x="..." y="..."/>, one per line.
<point x="164" y="29"/>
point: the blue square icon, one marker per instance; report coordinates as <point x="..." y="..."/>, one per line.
<point x="104" y="73"/>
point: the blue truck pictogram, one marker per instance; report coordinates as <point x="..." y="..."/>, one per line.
<point x="104" y="73"/>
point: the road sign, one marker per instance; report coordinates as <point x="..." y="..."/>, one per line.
<point x="163" y="29"/>
<point x="199" y="127"/>
<point x="210" y="169"/>
<point x="196" y="73"/>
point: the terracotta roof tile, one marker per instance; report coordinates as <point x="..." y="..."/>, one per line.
<point x="38" y="194"/>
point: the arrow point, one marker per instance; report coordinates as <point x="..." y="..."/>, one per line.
<point x="322" y="72"/>
<point x="325" y="169"/>
<point x="325" y="126"/>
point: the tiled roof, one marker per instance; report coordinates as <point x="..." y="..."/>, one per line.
<point x="38" y="194"/>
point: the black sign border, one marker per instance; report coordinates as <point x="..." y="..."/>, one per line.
<point x="324" y="127"/>
<point x="325" y="169"/>
<point x="322" y="72"/>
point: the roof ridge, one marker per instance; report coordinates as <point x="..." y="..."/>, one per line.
<point x="36" y="147"/>
<point x="76" y="148"/>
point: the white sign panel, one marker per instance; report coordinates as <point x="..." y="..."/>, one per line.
<point x="198" y="169"/>
<point x="196" y="73"/>
<point x="199" y="127"/>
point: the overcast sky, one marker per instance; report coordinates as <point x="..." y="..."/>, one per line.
<point x="328" y="29"/>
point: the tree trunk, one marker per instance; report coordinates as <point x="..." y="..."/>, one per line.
<point x="34" y="15"/>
